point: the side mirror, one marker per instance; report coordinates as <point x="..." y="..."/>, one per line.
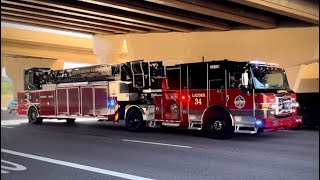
<point x="245" y="79"/>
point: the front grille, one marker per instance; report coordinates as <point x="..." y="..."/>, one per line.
<point x="284" y="106"/>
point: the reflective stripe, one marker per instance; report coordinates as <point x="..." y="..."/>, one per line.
<point x="116" y="112"/>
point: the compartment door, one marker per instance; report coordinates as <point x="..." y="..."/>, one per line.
<point x="62" y="101"/>
<point x="101" y="101"/>
<point x="87" y="101"/>
<point x="74" y="101"/>
<point x="47" y="103"/>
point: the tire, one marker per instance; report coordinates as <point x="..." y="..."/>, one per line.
<point x="32" y="116"/>
<point x="70" y="120"/>
<point x="260" y="130"/>
<point x="134" y="121"/>
<point x="219" y="126"/>
<point x="299" y="127"/>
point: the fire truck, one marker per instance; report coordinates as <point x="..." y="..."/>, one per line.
<point x="219" y="97"/>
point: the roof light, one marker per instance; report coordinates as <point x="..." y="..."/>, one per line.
<point x="257" y="62"/>
<point x="273" y="64"/>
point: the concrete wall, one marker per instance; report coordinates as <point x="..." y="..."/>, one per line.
<point x="290" y="47"/>
<point x="14" y="68"/>
<point x="310" y="79"/>
<point x="287" y="46"/>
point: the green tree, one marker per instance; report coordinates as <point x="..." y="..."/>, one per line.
<point x="6" y="86"/>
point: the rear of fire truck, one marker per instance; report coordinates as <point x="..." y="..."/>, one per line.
<point x="68" y="94"/>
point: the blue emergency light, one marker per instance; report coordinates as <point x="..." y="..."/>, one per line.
<point x="111" y="103"/>
<point x="258" y="122"/>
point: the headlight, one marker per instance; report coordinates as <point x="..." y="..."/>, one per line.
<point x="294" y="104"/>
<point x="268" y="106"/>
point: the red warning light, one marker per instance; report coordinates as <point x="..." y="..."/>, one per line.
<point x="184" y="98"/>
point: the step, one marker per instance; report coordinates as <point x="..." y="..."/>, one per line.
<point x="170" y="124"/>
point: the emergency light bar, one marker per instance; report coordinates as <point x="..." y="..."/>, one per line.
<point x="257" y="63"/>
<point x="261" y="63"/>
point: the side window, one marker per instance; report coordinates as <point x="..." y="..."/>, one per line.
<point x="174" y="80"/>
<point x="234" y="79"/>
<point x="216" y="78"/>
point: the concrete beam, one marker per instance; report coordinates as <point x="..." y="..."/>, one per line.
<point x="48" y="14"/>
<point x="66" y="12"/>
<point x="303" y="10"/>
<point x="218" y="10"/>
<point x="114" y="14"/>
<point x="37" y="22"/>
<point x="42" y="51"/>
<point x="165" y="12"/>
<point x="41" y="18"/>
<point x="46" y="38"/>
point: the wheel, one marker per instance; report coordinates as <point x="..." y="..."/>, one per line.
<point x="70" y="120"/>
<point x="300" y="126"/>
<point x="219" y="126"/>
<point x="33" y="116"/>
<point x="260" y="130"/>
<point x="134" y="120"/>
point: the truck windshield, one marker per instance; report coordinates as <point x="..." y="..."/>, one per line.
<point x="266" y="78"/>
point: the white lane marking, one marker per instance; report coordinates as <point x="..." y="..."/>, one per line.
<point x="74" y="165"/>
<point x="7" y="127"/>
<point x="13" y="122"/>
<point x="4" y="172"/>
<point x="12" y="167"/>
<point x="161" y="144"/>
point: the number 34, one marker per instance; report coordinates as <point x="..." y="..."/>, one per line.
<point x="197" y="101"/>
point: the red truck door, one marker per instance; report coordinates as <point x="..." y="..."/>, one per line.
<point x="62" y="101"/>
<point x="74" y="100"/>
<point x="171" y="105"/>
<point x="239" y="103"/>
<point x="47" y="104"/>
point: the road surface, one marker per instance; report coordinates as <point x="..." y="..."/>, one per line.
<point x="100" y="150"/>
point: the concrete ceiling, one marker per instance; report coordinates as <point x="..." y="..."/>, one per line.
<point x="143" y="16"/>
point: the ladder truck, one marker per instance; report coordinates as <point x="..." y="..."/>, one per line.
<point x="220" y="97"/>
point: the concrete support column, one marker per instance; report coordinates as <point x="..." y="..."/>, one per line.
<point x="14" y="68"/>
<point x="2" y="61"/>
<point x="102" y="48"/>
<point x="58" y="64"/>
<point x="294" y="75"/>
<point x="113" y="48"/>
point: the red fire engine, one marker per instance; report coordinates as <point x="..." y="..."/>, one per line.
<point x="219" y="97"/>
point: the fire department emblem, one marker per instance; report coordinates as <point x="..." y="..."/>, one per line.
<point x="239" y="102"/>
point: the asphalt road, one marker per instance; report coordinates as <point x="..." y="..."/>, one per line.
<point x="100" y="150"/>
